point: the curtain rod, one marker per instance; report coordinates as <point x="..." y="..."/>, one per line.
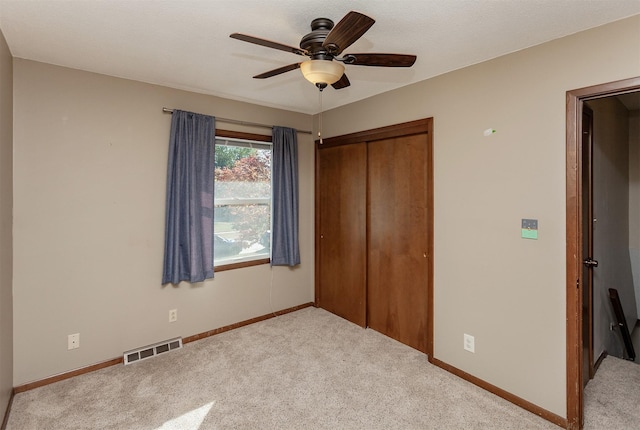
<point x="235" y="121"/>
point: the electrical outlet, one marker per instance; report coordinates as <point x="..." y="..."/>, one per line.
<point x="73" y="341"/>
<point x="173" y="315"/>
<point x="469" y="343"/>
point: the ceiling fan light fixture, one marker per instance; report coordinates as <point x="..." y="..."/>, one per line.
<point x="325" y="72"/>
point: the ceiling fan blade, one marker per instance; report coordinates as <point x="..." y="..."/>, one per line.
<point x="381" y="60"/>
<point x="342" y="83"/>
<point x="278" y="71"/>
<point x="348" y="30"/>
<point x="268" y="43"/>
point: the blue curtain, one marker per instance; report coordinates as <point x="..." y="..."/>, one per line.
<point x="284" y="241"/>
<point x="188" y="243"/>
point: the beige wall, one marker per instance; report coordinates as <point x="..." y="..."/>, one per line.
<point x="6" y="216"/>
<point x="611" y="231"/>
<point x="89" y="184"/>
<point x="508" y="292"/>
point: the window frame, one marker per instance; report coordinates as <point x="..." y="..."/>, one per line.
<point x="243" y="136"/>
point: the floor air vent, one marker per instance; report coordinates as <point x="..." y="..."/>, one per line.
<point x="149" y="351"/>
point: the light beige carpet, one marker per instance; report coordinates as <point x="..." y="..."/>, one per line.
<point x="304" y="370"/>
<point x="612" y="397"/>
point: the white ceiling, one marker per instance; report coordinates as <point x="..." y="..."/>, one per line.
<point x="185" y="43"/>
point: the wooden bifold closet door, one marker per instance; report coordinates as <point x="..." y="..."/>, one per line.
<point x="343" y="233"/>
<point x="398" y="233"/>
<point x="374" y="230"/>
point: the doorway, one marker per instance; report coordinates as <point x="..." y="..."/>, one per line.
<point x="577" y="286"/>
<point x="589" y="264"/>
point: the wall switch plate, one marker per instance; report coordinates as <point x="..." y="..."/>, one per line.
<point x="173" y="315"/>
<point x="469" y="343"/>
<point x="73" y="341"/>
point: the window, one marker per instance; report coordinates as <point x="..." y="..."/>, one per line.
<point x="242" y="214"/>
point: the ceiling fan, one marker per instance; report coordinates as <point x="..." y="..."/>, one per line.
<point x="323" y="45"/>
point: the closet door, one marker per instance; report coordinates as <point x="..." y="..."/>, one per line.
<point x="399" y="238"/>
<point x="341" y="231"/>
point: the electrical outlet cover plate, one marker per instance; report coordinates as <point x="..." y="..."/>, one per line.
<point x="469" y="343"/>
<point x="173" y="315"/>
<point x="73" y="341"/>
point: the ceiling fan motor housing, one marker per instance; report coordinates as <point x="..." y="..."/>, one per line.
<point x="313" y="41"/>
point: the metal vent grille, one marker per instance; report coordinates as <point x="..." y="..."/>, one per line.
<point x="149" y="351"/>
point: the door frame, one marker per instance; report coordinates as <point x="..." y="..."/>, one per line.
<point x="574" y="257"/>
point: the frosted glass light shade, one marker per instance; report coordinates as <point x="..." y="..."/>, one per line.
<point x="322" y="71"/>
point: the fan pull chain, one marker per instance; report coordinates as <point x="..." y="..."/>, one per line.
<point x="320" y="119"/>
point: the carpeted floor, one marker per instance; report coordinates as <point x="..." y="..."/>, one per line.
<point x="612" y="397"/>
<point x="308" y="369"/>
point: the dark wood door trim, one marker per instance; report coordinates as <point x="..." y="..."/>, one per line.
<point x="575" y="99"/>
<point x="388" y="132"/>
